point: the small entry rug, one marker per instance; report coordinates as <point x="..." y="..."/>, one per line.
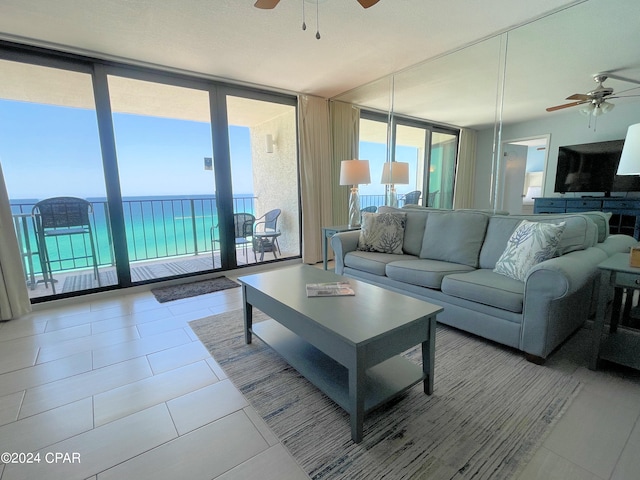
<point x="489" y="412"/>
<point x="186" y="290"/>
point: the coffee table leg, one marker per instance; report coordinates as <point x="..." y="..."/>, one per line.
<point x="248" y="315"/>
<point x="356" y="397"/>
<point x="428" y="357"/>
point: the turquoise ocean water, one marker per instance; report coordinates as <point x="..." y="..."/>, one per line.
<point x="156" y="227"/>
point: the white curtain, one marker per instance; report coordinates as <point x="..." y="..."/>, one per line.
<point x="345" y="129"/>
<point x="14" y="297"/>
<point x="466" y="170"/>
<point x="315" y="172"/>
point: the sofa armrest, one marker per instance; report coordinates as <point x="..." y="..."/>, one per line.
<point x="617" y="243"/>
<point x="558" y="299"/>
<point x="343" y="243"/>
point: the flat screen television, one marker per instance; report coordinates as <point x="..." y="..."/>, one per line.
<point x="591" y="168"/>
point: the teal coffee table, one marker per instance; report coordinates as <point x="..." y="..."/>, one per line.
<point x="349" y="347"/>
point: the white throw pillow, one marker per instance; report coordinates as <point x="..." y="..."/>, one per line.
<point x="529" y="244"/>
<point x="382" y="232"/>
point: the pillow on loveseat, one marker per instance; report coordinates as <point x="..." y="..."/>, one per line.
<point x="529" y="244"/>
<point x="382" y="232"/>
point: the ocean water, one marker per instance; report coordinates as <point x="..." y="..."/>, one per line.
<point x="156" y="227"/>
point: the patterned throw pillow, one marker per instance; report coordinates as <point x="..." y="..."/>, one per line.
<point x="382" y="232"/>
<point x="529" y="244"/>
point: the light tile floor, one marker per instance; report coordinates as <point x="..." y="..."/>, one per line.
<point x="123" y="381"/>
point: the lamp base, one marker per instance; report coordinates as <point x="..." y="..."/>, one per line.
<point x="392" y="197"/>
<point x="354" y="208"/>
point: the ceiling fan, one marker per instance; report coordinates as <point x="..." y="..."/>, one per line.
<point x="596" y="101"/>
<point x="269" y="4"/>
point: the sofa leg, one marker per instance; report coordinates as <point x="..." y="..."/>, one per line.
<point x="534" y="359"/>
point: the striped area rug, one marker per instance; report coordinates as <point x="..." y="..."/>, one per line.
<point x="489" y="412"/>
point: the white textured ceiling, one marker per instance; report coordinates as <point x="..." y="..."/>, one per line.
<point x="230" y="39"/>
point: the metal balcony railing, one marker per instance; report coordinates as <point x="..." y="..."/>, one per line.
<point x="156" y="228"/>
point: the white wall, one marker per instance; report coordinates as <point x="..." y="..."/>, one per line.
<point x="566" y="128"/>
<point x="275" y="177"/>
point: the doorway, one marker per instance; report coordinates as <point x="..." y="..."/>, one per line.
<point x="525" y="161"/>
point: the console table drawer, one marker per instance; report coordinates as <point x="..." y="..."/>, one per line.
<point x="580" y="204"/>
<point x="631" y="280"/>
<point x="613" y="205"/>
<point x="550" y="202"/>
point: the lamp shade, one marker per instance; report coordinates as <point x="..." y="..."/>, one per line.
<point x="354" y="172"/>
<point x="630" y="158"/>
<point x="395" y="173"/>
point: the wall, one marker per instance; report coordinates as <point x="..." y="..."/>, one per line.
<point x="567" y="128"/>
<point x="275" y="177"/>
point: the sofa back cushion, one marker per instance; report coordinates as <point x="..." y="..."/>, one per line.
<point x="454" y="236"/>
<point x="579" y="233"/>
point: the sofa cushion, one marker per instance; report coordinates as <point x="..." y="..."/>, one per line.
<point x="579" y="234"/>
<point x="372" y="262"/>
<point x="454" y="236"/>
<point x="382" y="232"/>
<point x="425" y="273"/>
<point x="601" y="219"/>
<point x="486" y="287"/>
<point x="529" y="244"/>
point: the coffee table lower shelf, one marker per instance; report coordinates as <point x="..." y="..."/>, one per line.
<point x="384" y="381"/>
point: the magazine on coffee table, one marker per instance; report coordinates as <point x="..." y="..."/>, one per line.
<point x="329" y="289"/>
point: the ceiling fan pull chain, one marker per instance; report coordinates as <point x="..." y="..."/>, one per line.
<point x="304" y="24"/>
<point x="317" y="20"/>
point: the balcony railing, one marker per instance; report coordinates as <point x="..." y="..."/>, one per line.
<point x="156" y="228"/>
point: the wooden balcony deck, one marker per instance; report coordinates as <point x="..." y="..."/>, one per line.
<point x="140" y="271"/>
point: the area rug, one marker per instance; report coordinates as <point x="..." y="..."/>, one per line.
<point x="489" y="412"/>
<point x="186" y="290"/>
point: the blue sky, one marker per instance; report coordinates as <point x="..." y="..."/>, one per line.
<point x="156" y="156"/>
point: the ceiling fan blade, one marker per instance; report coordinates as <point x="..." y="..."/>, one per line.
<point x="266" y="4"/>
<point x="367" y="3"/>
<point x="579" y="96"/>
<point x="566" y="105"/>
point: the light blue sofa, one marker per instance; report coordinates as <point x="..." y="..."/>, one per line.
<point x="448" y="259"/>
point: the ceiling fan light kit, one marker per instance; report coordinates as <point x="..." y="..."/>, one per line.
<point x="594" y="103"/>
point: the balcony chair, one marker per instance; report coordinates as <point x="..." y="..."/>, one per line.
<point x="432" y="198"/>
<point x="58" y="217"/>
<point x="243" y="232"/>
<point x="412" y="198"/>
<point x="267" y="224"/>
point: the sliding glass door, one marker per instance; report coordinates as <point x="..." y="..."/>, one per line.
<point x="164" y="150"/>
<point x="264" y="171"/>
<point x="50" y="148"/>
<point x="429" y="152"/>
<point x="160" y="163"/>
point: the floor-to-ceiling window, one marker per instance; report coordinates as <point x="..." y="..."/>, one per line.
<point x="429" y="152"/>
<point x="164" y="150"/>
<point x="50" y="148"/>
<point x="264" y="168"/>
<point x="162" y="161"/>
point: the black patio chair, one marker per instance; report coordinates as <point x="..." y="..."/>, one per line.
<point x="243" y="232"/>
<point x="59" y="217"/>
<point x="412" y="198"/>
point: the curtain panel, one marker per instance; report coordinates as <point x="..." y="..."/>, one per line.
<point x="466" y="171"/>
<point x="14" y="297"/>
<point x="345" y="130"/>
<point x="315" y="174"/>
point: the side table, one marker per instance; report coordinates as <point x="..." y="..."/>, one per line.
<point x="327" y="233"/>
<point x="622" y="346"/>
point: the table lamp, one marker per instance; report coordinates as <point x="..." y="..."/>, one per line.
<point x="354" y="172"/>
<point x="630" y="157"/>
<point x="394" y="173"/>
